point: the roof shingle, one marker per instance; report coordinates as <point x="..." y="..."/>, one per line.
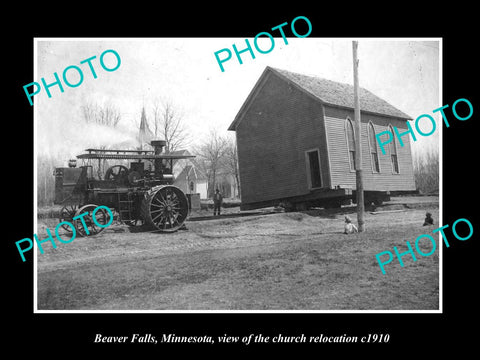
<point x="339" y="94"/>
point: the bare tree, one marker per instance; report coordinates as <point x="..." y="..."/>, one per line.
<point x="230" y="161"/>
<point x="45" y="179"/>
<point x="426" y="171"/>
<point x="168" y="124"/>
<point x="210" y="154"/>
<point x="105" y="114"/>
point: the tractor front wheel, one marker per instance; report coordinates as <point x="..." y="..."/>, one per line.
<point x="67" y="214"/>
<point x="93" y="222"/>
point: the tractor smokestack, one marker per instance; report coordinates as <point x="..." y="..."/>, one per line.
<point x="158" y="146"/>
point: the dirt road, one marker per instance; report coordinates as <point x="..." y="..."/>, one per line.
<point x="281" y="261"/>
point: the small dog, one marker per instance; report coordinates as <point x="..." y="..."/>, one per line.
<point x="428" y="219"/>
<point x="349" y="227"/>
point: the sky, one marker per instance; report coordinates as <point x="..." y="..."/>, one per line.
<point x="184" y="72"/>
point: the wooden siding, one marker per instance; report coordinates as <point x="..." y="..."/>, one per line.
<point x="338" y="153"/>
<point x="277" y="125"/>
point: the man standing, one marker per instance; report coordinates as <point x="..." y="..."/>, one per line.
<point x="217" y="202"/>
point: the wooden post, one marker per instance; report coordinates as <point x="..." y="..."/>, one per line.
<point x="358" y="145"/>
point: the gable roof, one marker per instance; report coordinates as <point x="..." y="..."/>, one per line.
<point x="189" y="171"/>
<point x="328" y="92"/>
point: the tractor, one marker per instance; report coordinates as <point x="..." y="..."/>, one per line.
<point x="137" y="187"/>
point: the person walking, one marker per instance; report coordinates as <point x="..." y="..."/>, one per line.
<point x="217" y="202"/>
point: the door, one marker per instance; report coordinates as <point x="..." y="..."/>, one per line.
<point x="313" y="169"/>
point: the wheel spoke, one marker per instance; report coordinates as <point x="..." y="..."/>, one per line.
<point x="175" y="220"/>
<point x="160" y="193"/>
<point x="100" y="220"/>
<point x="67" y="213"/>
<point x="101" y="217"/>
<point x="156" y="217"/>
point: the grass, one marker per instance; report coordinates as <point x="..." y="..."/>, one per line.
<point x="281" y="261"/>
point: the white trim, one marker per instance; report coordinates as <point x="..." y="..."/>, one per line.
<point x="371" y="125"/>
<point x="390" y="128"/>
<point x="329" y="163"/>
<point x="346" y="141"/>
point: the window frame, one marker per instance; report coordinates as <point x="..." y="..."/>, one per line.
<point x="371" y="127"/>
<point x="394" y="143"/>
<point x="349" y="121"/>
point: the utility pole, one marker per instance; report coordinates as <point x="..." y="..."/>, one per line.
<point x="358" y="145"/>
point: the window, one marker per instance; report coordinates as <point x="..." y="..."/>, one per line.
<point x="372" y="142"/>
<point x="313" y="168"/>
<point x="350" y="143"/>
<point x="393" y="151"/>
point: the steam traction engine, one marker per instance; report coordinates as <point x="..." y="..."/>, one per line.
<point x="138" y="188"/>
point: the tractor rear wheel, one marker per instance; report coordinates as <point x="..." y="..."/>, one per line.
<point x="165" y="208"/>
